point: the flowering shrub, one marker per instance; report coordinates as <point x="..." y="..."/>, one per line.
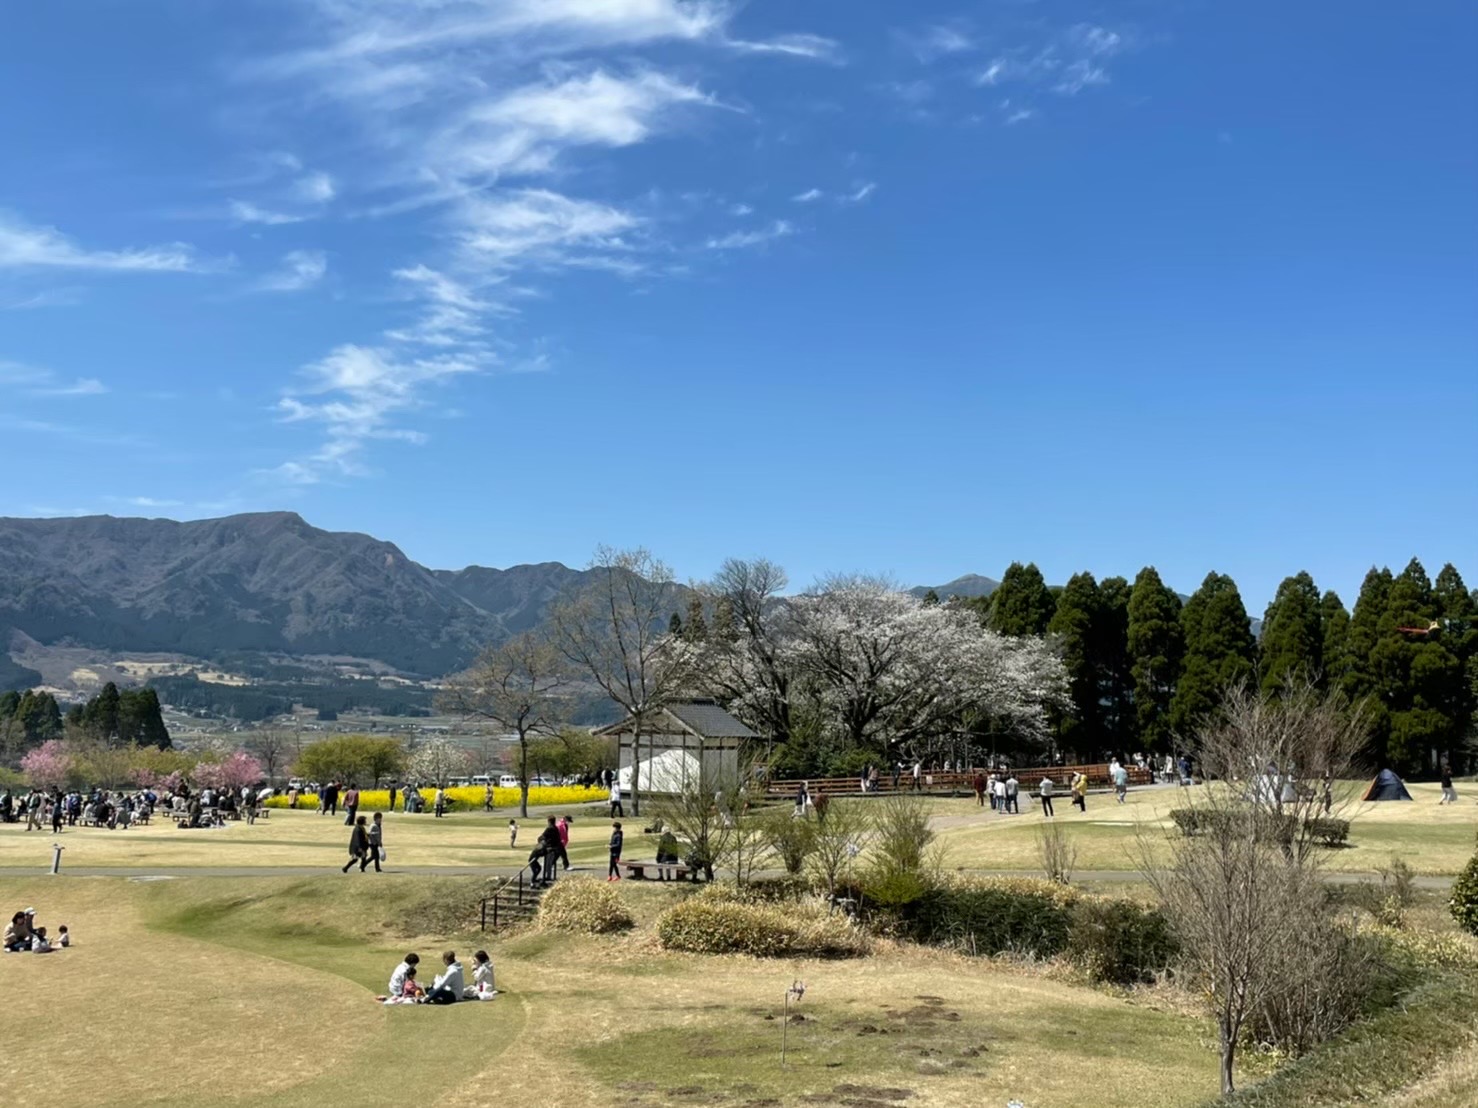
<point x="1428" y="950"/>
<point x="581" y="904"/>
<point x="718" y="925"/>
<point x="463" y="798"/>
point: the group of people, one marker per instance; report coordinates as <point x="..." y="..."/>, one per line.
<point x="43" y="808"/>
<point x="23" y="936"/>
<point x="448" y="987"/>
<point x="1002" y="791"/>
<point x="550" y="851"/>
<point x="366" y="843"/>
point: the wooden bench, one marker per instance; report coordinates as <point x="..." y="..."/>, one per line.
<point x="666" y="871"/>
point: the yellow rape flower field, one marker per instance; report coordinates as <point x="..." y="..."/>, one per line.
<point x="462" y="798"/>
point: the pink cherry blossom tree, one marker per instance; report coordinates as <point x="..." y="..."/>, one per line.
<point x="240" y="770"/>
<point x="50" y="764"/>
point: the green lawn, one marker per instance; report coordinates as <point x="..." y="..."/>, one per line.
<point x="259" y="990"/>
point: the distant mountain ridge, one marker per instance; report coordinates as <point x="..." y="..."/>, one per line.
<point x="970" y="585"/>
<point x="266" y="582"/>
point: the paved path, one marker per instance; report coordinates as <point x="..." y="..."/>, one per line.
<point x="145" y="873"/>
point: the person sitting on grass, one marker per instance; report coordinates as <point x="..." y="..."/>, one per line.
<point x="449" y="985"/>
<point x="402" y="973"/>
<point x="482" y="978"/>
<point x="18" y="933"/>
<point x="39" y="943"/>
<point x="62" y="937"/>
<point x="410" y="990"/>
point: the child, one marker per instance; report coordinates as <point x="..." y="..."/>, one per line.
<point x="482" y="979"/>
<point x="406" y="969"/>
<point x="410" y="992"/>
<point x="63" y="939"/>
<point x="512" y="834"/>
<point x="39" y="945"/>
<point x="617" y="841"/>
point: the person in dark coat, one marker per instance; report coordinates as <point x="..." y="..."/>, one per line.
<point x="618" y="840"/>
<point x="551" y="846"/>
<point x="359" y="845"/>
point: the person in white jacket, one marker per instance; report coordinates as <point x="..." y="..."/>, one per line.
<point x="397" y="979"/>
<point x="449" y="984"/>
<point x="482" y="978"/>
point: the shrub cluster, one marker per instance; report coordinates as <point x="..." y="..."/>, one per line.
<point x="1119" y="941"/>
<point x="994" y="915"/>
<point x="723" y="923"/>
<point x="1276" y="827"/>
<point x="1463" y="904"/>
<point x="583" y="905"/>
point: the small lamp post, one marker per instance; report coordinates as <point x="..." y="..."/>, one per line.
<point x="797" y="990"/>
<point x="56" y="858"/>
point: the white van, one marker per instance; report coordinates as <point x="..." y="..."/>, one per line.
<point x="481" y="780"/>
<point x="508" y="781"/>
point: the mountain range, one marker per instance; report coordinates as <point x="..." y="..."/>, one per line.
<point x="266" y="582"/>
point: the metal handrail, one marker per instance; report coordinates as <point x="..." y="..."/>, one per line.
<point x="522" y="896"/>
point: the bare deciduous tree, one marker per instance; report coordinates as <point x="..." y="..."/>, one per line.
<point x="842" y="827"/>
<point x="517" y="685"/>
<point x="615" y="631"/>
<point x="743" y="660"/>
<point x="1244" y="891"/>
<point x="273" y="749"/>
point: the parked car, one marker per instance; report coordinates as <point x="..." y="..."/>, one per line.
<point x="508" y="781"/>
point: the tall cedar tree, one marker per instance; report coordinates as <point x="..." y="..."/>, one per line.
<point x="101" y="714"/>
<point x="1022" y="604"/>
<point x="1334" y="624"/>
<point x="1359" y="682"/>
<point x="1116" y="675"/>
<point x="1291" y="649"/>
<point x="1220" y="651"/>
<point x="1075" y="624"/>
<point x="1156" y="645"/>
<point x="1458" y="610"/>
<point x="1418" y="678"/>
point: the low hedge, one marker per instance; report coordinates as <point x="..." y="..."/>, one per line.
<point x="1275" y="826"/>
<point x="993" y="915"/>
<point x="584" y="905"/>
<point x="720" y="925"/>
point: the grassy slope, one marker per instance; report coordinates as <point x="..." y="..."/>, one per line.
<point x="262" y="987"/>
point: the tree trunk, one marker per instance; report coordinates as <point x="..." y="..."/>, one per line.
<point x="635" y="767"/>
<point x="523" y="774"/>
<point x="1228" y="1058"/>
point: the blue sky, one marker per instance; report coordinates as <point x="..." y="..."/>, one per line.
<point x="914" y="288"/>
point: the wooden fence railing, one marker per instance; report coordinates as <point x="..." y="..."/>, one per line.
<point x="953" y="783"/>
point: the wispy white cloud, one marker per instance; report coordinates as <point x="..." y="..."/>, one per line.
<point x="1018" y="115"/>
<point x="860" y="193"/>
<point x="1067" y="63"/>
<point x="929" y="44"/>
<point x="452" y="314"/>
<point x="43" y="298"/>
<point x="740" y="240"/>
<point x="525" y="131"/>
<point x="40" y="382"/>
<point x="315" y="188"/>
<point x="539" y="227"/>
<point x="810" y="196"/>
<point x="243" y="211"/>
<point x="815" y="47"/>
<point x="299" y="270"/>
<point x="26" y="246"/>
<point x="355" y="393"/>
<point x="148" y="502"/>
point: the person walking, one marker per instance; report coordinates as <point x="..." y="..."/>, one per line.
<point x="512" y="834"/>
<point x="1013" y="787"/>
<point x="918" y="775"/>
<point x="1121" y="783"/>
<point x="618" y="840"/>
<point x="331" y="798"/>
<point x="440" y="802"/>
<point x="1449" y="794"/>
<point x="393" y="791"/>
<point x="1045" y="792"/>
<point x="351" y="805"/>
<point x="376" y="841"/>
<point x="358" y="846"/>
<point x="56" y="811"/>
<point x="978" y="783"/>
<point x="562" y="825"/>
<point x="1079" y="790"/>
<point x="615" y="797"/>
